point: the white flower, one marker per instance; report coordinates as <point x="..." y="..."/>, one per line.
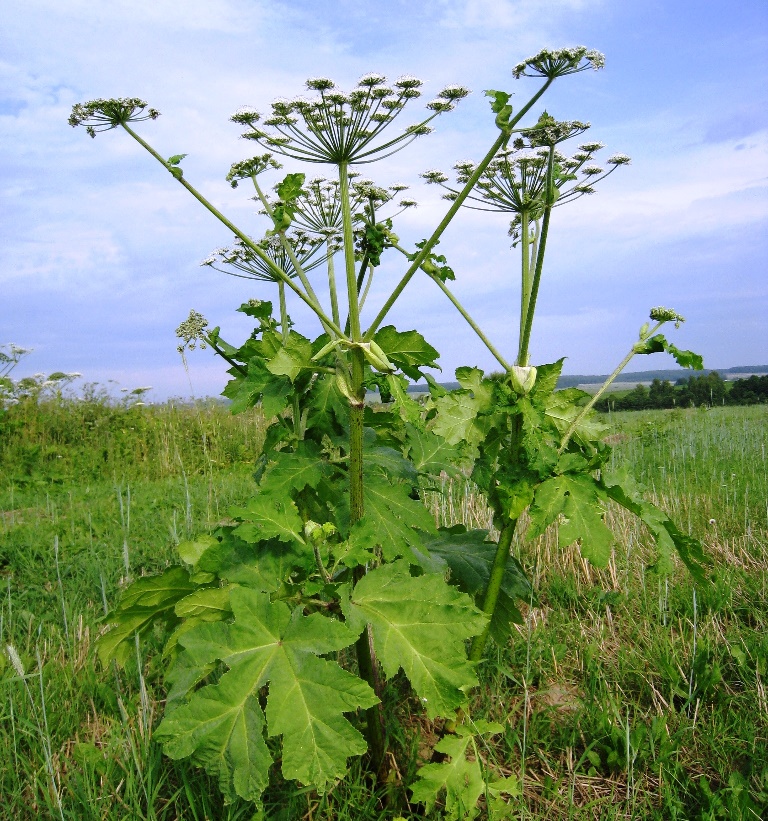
<point x="408" y="81"/>
<point x="591" y="147"/>
<point x="439" y="105"/>
<point x="454" y="92"/>
<point x="320" y="84"/>
<point x="434" y="176"/>
<point x="372" y="79"/>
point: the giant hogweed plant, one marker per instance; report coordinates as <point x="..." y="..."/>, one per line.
<point x="335" y="550"/>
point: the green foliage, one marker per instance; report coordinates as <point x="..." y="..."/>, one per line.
<point x="469" y="557"/>
<point x="173" y="165"/>
<point x="461" y="781"/>
<point x="501" y="108"/>
<point x="288" y="191"/>
<point x="659" y="343"/>
<point x="221" y="726"/>
<point x="436" y="265"/>
<point x="406" y="350"/>
<point x="419" y="624"/>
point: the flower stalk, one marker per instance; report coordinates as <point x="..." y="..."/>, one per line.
<point x="279" y="273"/>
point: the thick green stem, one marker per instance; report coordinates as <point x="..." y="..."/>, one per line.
<point x="603" y="388"/>
<point x="284" y="322"/>
<point x="451" y="213"/>
<point x="285" y="329"/>
<point x="279" y="273"/>
<point x="491" y="597"/>
<point x="523" y="354"/>
<point x="349" y="254"/>
<point x="366" y="658"/>
<point x="525" y="289"/>
<point x="332" y="284"/>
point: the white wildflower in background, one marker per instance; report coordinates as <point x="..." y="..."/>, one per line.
<point x="191" y="331"/>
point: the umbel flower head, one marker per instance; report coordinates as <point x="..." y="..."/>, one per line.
<point x="251" y="266"/>
<point x="102" y="115"/>
<point x="661" y="314"/>
<point x="318" y="207"/>
<point x="337" y="127"/>
<point x="515" y="181"/>
<point x="247" y="169"/>
<point x="551" y="63"/>
<point x="192" y="331"/>
<point x="549" y="132"/>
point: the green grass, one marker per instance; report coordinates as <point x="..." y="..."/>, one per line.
<point x="622" y="696"/>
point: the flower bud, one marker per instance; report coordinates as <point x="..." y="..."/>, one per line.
<point x="522" y="378"/>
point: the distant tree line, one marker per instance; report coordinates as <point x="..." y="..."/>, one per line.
<point x="685" y="393"/>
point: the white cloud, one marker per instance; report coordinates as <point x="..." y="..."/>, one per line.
<point x="689" y="192"/>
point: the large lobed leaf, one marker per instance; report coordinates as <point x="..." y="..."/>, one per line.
<point x="293" y="471"/>
<point x="292" y="357"/>
<point x="265" y="517"/>
<point x="578" y="498"/>
<point x="259" y="384"/>
<point x="419" y="624"/>
<point x="456" y="415"/>
<point x="393" y="521"/>
<point x="406" y="349"/>
<point x="141" y="604"/>
<point x="623" y="489"/>
<point x="221" y="727"/>
<point x="430" y="453"/>
<point x="264" y="566"/>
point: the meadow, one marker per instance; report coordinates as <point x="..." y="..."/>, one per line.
<point x="627" y="692"/>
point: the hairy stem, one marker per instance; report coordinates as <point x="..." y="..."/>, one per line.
<point x="349" y="254"/>
<point x="285" y="329"/>
<point x="525" y="289"/>
<point x="490" y="600"/>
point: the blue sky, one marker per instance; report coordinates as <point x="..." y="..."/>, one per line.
<point x="101" y="249"/>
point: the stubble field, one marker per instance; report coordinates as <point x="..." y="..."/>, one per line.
<point x="627" y="693"/>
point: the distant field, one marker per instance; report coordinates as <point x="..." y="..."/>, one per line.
<point x="627" y="694"/>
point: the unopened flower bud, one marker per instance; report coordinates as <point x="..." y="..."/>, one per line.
<point x="522" y="378"/>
